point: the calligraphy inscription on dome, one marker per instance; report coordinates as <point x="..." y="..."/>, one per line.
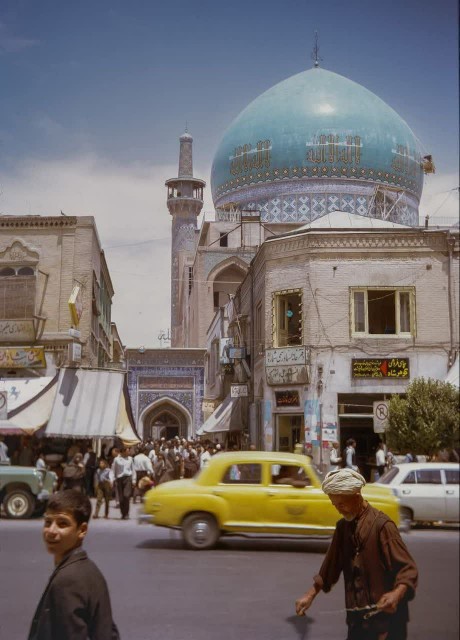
<point x="246" y="158"/>
<point x="406" y="161"/>
<point x="330" y="148"/>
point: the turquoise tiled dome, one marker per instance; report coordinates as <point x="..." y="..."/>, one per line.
<point x="315" y="128"/>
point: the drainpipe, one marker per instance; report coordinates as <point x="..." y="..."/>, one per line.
<point x="450" y="290"/>
<point x="253" y="357"/>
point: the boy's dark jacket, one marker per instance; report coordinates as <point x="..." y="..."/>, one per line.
<point x="75" y="604"/>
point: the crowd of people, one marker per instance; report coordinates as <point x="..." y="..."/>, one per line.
<point x="125" y="473"/>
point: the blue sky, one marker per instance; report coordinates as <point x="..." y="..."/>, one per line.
<point x="95" y="95"/>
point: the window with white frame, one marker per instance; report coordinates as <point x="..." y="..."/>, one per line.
<point x="380" y="311"/>
<point x="287" y="317"/>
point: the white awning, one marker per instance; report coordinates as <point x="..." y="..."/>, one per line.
<point x="227" y="417"/>
<point x="91" y="404"/>
<point x="453" y="374"/>
<point x="29" y="404"/>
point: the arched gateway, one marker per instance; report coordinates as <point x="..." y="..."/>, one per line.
<point x="165" y="418"/>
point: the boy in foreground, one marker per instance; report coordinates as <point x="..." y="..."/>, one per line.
<point x="76" y="603"/>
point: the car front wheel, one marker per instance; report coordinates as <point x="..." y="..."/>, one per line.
<point x="19" y="504"/>
<point x="200" y="531"/>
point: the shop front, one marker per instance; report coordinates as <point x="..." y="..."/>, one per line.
<point x="356" y="421"/>
<point x="288" y="418"/>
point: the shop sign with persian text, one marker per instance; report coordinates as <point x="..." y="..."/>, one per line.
<point x="380" y="368"/>
<point x="22" y="357"/>
<point x="287" y="375"/>
<point x="17" y="330"/>
<point x="286" y="356"/>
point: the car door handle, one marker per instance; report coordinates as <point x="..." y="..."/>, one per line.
<point x="271" y="493"/>
<point x="406" y="491"/>
<point x="216" y="492"/>
<point x="450" y="492"/>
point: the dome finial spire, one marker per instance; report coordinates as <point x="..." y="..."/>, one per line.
<point x="315" y="53"/>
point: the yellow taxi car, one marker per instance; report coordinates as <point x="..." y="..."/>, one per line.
<point x="252" y="492"/>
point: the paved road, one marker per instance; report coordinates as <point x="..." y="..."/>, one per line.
<point x="243" y="590"/>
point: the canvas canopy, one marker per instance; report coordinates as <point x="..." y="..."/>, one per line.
<point x="227" y="417"/>
<point x="29" y="404"/>
<point x="92" y="404"/>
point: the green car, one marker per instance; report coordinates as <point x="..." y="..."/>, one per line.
<point x="24" y="491"/>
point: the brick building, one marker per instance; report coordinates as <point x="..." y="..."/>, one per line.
<point x="61" y="357"/>
<point x="337" y="316"/>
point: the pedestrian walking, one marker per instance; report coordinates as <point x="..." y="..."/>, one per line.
<point x="74" y="474"/>
<point x="380" y="460"/>
<point x="103" y="488"/>
<point x="334" y="457"/>
<point x="75" y="603"/>
<point x="349" y="457"/>
<point x="390" y="459"/>
<point x="125" y="478"/>
<point x="40" y="463"/>
<point x="144" y="468"/>
<point x="90" y="462"/>
<point x="191" y="465"/>
<point x="379" y="573"/>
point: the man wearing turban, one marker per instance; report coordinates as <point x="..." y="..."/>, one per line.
<point x="379" y="573"/>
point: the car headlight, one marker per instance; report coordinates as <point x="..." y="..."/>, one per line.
<point x="40" y="480"/>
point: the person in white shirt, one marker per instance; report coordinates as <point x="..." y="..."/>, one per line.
<point x="334" y="457"/>
<point x="206" y="457"/>
<point x="125" y="478"/>
<point x="3" y="451"/>
<point x="153" y="457"/>
<point x="41" y="464"/>
<point x="143" y="467"/>
<point x="380" y="460"/>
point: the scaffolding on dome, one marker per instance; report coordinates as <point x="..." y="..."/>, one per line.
<point x="387" y="203"/>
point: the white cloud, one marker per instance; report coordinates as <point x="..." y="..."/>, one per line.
<point x="10" y="43"/>
<point x="440" y="198"/>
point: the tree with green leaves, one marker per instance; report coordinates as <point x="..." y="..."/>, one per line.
<point x="427" y="420"/>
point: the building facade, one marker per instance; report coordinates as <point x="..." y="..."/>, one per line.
<point x="337" y="317"/>
<point x="45" y="262"/>
<point x="166" y="388"/>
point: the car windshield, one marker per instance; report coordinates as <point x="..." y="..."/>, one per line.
<point x="389" y="475"/>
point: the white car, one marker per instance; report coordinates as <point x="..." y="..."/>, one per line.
<point x="428" y="491"/>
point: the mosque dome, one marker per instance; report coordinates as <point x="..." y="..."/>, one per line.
<point x="315" y="143"/>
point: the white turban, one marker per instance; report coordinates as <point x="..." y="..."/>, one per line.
<point x="343" y="481"/>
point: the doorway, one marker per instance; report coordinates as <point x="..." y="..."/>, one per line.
<point x="289" y="431"/>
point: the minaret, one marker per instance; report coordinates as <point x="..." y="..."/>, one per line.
<point x="185" y="201"/>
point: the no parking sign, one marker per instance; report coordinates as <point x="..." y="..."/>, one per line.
<point x="381" y="411"/>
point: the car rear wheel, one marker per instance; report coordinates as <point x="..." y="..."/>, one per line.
<point x="19" y="503"/>
<point x="200" y="531"/>
<point x="405" y="517"/>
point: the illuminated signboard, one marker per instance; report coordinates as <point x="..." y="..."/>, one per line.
<point x="380" y="368"/>
<point x="289" y="398"/>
